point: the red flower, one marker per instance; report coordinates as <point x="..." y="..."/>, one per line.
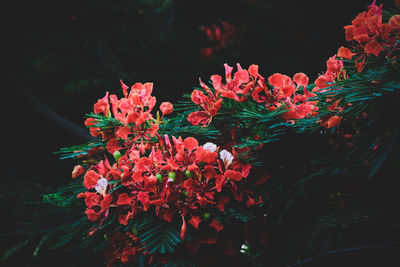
<point x="206" y="52"/>
<point x="334" y="65"/>
<point x="195" y="221"/>
<point x="102" y="106"/>
<point x="143" y="197"/>
<point x="216" y="225"/>
<point x="78" y="170"/>
<point x="344" y="52"/>
<point x="331" y="121"/>
<point x="373" y="47"/>
<point x="301" y="79"/>
<point x="209" y="103"/>
<point x="166" y="108"/>
<point x="394" y="22"/>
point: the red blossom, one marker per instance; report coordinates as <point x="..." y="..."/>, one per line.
<point x="216" y="225"/>
<point x="373" y="47"/>
<point x="143" y="197"/>
<point x="166" y="108"/>
<point x="195" y="221"/>
<point x="344" y="52"/>
<point x="78" y="170"/>
<point x="394" y="22"/>
<point x="102" y="106"/>
<point x="331" y="121"/>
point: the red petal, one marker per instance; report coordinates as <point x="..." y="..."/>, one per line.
<point x="344" y="52"/>
<point x="124" y="199"/>
<point x="331" y="122"/>
<point x="90" y="179"/>
<point x="123" y="133"/>
<point x="92" y="215"/>
<point x="113" y="145"/>
<point x="78" y="170"/>
<point x="144" y="164"/>
<point x="199" y="117"/>
<point x="166" y="108"/>
<point x="198" y="97"/>
<point x="144" y="198"/>
<point x="300" y="79"/>
<point x="373" y="47"/>
<point x="102" y="106"/>
<point x="241" y="76"/>
<point x="228" y="72"/>
<point x="216" y="81"/>
<point x="216" y="225"/>
<point x="183" y="228"/>
<point x="124" y="88"/>
<point x="394" y="22"/>
<point x="233" y="175"/>
<point x="253" y="71"/>
<point x="203" y="155"/>
<point x="195" y="221"/>
<point x="190" y="143"/>
<point x="276" y="80"/>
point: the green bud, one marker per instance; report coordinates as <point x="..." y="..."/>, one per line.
<point x="117" y="155"/>
<point x="159" y="178"/>
<point x="206" y="216"/>
<point x="172" y="175"/>
<point x="188" y="174"/>
<point x="186" y="193"/>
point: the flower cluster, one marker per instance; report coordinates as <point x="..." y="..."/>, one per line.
<point x="152" y="172"/>
<point x="371" y="35"/>
<point x="139" y="169"/>
<point x="220" y="36"/>
<point x="249" y="84"/>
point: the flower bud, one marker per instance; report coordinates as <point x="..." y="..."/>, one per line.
<point x="117" y="155"/>
<point x="188" y="174"/>
<point x="171" y="176"/>
<point x="159" y="178"/>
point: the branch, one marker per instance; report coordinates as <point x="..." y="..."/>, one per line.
<point x="54" y="117"/>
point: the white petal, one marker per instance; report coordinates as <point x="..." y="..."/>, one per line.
<point x="101" y="186"/>
<point x="226" y="157"/>
<point x="210" y="147"/>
